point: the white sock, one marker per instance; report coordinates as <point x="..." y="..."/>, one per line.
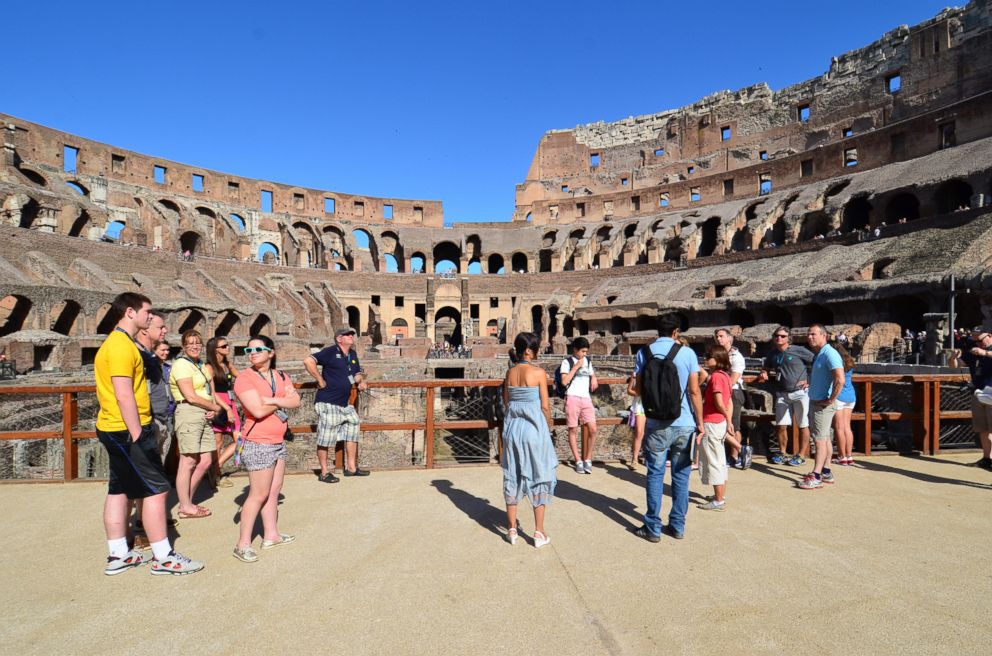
<point x="161" y="549"/>
<point x="117" y="547"/>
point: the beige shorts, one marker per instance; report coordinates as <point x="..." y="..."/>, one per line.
<point x="712" y="457"/>
<point x="981" y="416"/>
<point x="193" y="431"/>
<point x="821" y="420"/>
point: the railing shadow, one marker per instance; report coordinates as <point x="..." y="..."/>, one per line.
<point x="484" y="513"/>
<point x="920" y="476"/>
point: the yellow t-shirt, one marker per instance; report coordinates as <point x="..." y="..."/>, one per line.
<point x="184" y="368"/>
<point x="118" y="356"/>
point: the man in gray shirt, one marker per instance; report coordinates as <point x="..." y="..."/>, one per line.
<point x="787" y="366"/>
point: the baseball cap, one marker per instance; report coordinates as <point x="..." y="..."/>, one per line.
<point x="341" y="332"/>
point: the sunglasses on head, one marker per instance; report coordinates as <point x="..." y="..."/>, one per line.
<point x="251" y="350"/>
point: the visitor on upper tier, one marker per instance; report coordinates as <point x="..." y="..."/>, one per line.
<point x="528" y="455"/>
<point x="786" y="367"/>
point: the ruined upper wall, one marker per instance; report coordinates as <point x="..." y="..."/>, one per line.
<point x="44" y="147"/>
<point x="907" y="74"/>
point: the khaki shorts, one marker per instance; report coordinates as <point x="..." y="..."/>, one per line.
<point x="981" y="416"/>
<point x="712" y="458"/>
<point x="821" y="421"/>
<point x="193" y="431"/>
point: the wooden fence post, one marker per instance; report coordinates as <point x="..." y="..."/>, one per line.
<point x="70" y="449"/>
<point x="429" y="429"/>
<point x="866" y="435"/>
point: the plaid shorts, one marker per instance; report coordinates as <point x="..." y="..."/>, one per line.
<point x="334" y="423"/>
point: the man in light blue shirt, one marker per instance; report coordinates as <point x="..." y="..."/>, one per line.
<point x="825" y="384"/>
<point x="670" y="440"/>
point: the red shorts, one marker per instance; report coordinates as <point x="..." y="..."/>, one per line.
<point x="580" y="408"/>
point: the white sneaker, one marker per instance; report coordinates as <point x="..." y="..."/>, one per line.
<point x="540" y="539"/>
<point x="580" y="467"/>
<point x="588" y="466"/>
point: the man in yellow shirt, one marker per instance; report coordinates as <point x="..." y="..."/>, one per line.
<point x="124" y="427"/>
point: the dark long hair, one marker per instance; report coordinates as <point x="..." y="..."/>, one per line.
<point x="849" y="362"/>
<point x="265" y="339"/>
<point x="521" y="343"/>
<point x="221" y="367"/>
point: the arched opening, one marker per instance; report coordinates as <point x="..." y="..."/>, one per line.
<point x="475" y="267"/>
<point x="582" y="326"/>
<point x="741" y="317"/>
<point x="192" y="322"/>
<point x="552" y="322"/>
<point x="29" y="212"/>
<point x="262" y="325"/>
<point x="816" y="313"/>
<point x="363" y="239"/>
<point x="774" y="234"/>
<point x="518" y="263"/>
<point x="902" y="206"/>
<point x="603" y="235"/>
<point x="492" y="328"/>
<point x="65" y="318"/>
<point x="268" y="253"/>
<point x="544" y="264"/>
<point x="238" y="222"/>
<point x="189" y="242"/>
<point x="777" y="315"/>
<point x="629" y="230"/>
<point x="953" y="195"/>
<point x="568" y="327"/>
<point x="354" y="319"/>
<point x="816" y="224"/>
<point x="169" y="205"/>
<point x="448" y="325"/>
<point x="399" y="329"/>
<point x="673" y="250"/>
<point x="741" y="240"/>
<point x="34" y="176"/>
<point x="751" y="212"/>
<point x="473" y="247"/>
<point x="908" y="310"/>
<point x="113" y="230"/>
<point x="448" y="252"/>
<point x="14" y="311"/>
<point x="78" y="188"/>
<point x="228" y="324"/>
<point x="445" y="267"/>
<point x="81" y="223"/>
<point x="882" y="268"/>
<point x="835" y="189"/>
<point x="707" y="241"/>
<point x="107" y="320"/>
<point x="206" y="211"/>
<point x="537" y="321"/>
<point x="619" y="326"/>
<point x="417" y="263"/>
<point x="496" y="264"/>
<point x="857" y="214"/>
<point x="549" y="239"/>
<point x="392" y="266"/>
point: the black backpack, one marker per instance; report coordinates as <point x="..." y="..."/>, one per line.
<point x="661" y="390"/>
<point x="561" y="388"/>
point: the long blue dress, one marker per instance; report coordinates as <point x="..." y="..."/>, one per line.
<point x="529" y="458"/>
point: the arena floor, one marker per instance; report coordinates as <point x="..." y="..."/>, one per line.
<point x="891" y="559"/>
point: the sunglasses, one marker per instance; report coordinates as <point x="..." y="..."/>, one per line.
<point x="781" y="336"/>
<point x="252" y="350"/>
<point x="220" y="346"/>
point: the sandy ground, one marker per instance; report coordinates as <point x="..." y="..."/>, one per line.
<point x="890" y="560"/>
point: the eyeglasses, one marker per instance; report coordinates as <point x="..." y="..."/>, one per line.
<point x="220" y="346"/>
<point x="252" y="350"/>
<point x="192" y="344"/>
<point x="781" y="336"/>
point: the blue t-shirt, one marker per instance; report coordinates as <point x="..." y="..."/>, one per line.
<point x="687" y="364"/>
<point x="336" y="367"/>
<point x="821" y="380"/>
<point x="847" y="394"/>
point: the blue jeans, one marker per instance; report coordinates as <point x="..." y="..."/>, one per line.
<point x="661" y="444"/>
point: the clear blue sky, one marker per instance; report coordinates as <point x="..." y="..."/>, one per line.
<point x="422" y="100"/>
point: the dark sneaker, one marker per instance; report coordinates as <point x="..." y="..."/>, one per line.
<point x="357" y="472"/>
<point x="176" y="564"/>
<point x="645" y="532"/>
<point x="668" y="530"/>
<point x="984" y="463"/>
<point x="329" y="477"/>
<point x="747" y="455"/>
<point x="118" y="564"/>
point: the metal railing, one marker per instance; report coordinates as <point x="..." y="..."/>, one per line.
<point x="925" y="416"/>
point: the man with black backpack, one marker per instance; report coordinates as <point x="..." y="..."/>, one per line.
<point x="668" y="377"/>
<point x="575" y="380"/>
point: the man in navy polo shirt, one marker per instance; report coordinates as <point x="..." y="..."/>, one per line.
<point x="336" y="418"/>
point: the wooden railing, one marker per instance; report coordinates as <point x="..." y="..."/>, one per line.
<point x="926" y="416"/>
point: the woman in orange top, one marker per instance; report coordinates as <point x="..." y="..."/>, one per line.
<point x="265" y="394"/>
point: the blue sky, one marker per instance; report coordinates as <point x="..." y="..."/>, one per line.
<point x="439" y="101"/>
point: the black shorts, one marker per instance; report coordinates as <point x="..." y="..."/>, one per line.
<point x="135" y="467"/>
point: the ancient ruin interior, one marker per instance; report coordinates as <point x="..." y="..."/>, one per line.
<point x="847" y="199"/>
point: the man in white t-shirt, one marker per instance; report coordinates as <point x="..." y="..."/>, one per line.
<point x="726" y="340"/>
<point x="578" y="377"/>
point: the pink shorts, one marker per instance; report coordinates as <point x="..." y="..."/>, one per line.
<point x="580" y="408"/>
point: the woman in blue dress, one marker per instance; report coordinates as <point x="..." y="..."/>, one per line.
<point x="529" y="459"/>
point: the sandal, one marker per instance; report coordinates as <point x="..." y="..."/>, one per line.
<point x="199" y="514"/>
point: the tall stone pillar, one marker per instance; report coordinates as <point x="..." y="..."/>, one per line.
<point x="47" y="220"/>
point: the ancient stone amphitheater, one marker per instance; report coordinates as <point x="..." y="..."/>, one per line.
<point x="848" y="199"/>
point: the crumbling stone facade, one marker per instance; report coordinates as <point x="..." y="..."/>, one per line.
<point x="747" y="208"/>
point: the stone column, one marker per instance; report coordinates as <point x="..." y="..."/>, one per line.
<point x="47" y="220"/>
